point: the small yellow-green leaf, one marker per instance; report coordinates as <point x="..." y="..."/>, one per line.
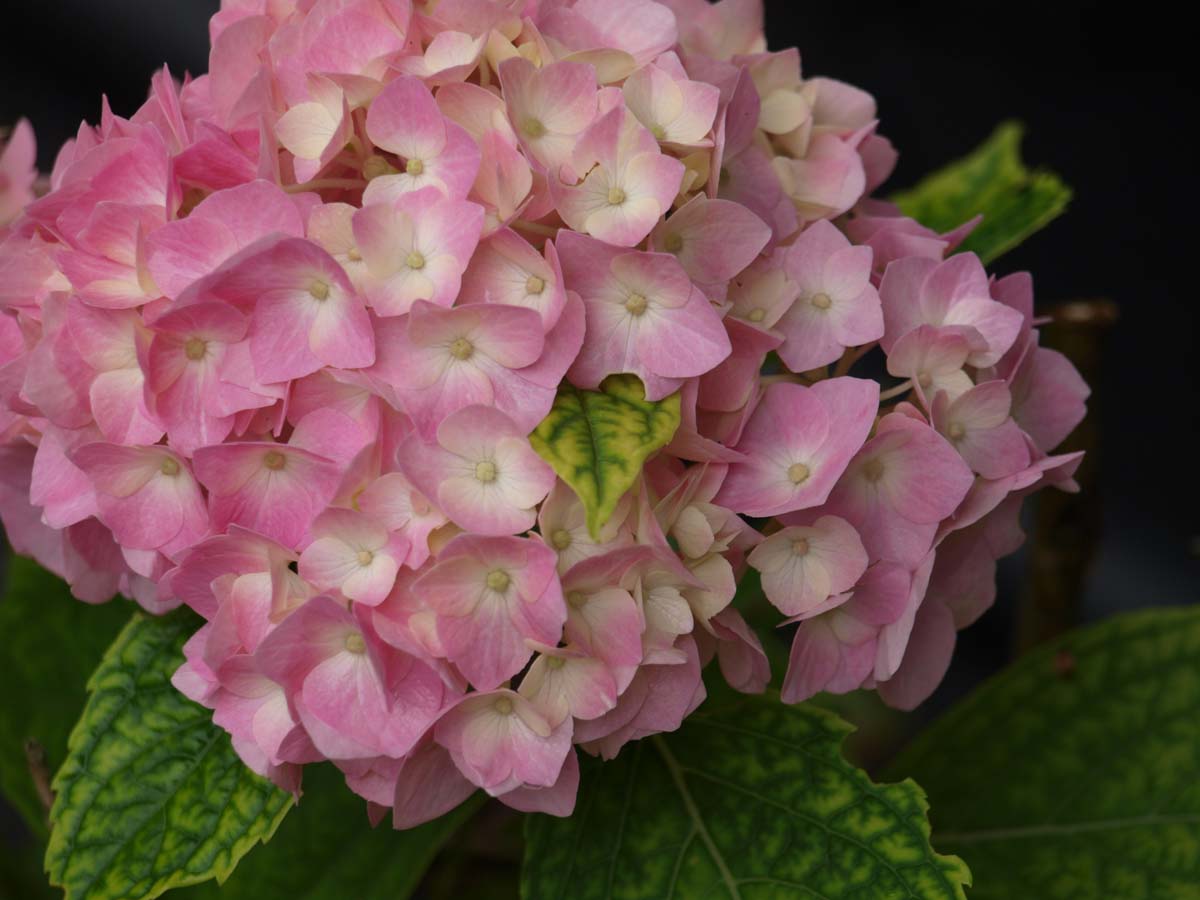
<point x="151" y="795"/>
<point x="992" y="181"/>
<point x="597" y="441"/>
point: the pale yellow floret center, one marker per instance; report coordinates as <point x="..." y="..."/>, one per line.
<point x="415" y="260"/>
<point x="169" y="467"/>
<point x="365" y="557"/>
<point x="797" y="473"/>
<point x="504" y="706"/>
<point x="924" y="379"/>
<point x="461" y="348"/>
<point x="355" y="643"/>
<point x="498" y="580"/>
<point x="375" y="166"/>
<point x="956" y="431"/>
<point x="757" y="314"/>
<point x="485" y="471"/>
<point x="535" y="285"/>
<point x="673" y="243"/>
<point x="873" y="470"/>
<point x="414" y="167"/>
<point x="274" y="460"/>
<point x="822" y="301"/>
<point x="635" y="304"/>
<point x="561" y="539"/>
<point x="577" y="599"/>
<point x="353" y="255"/>
<point x="658" y="131"/>
<point x="533" y="128"/>
<point x="555" y="662"/>
<point x="800" y="547"/>
<point x="616" y="196"/>
<point x="195" y="348"/>
<point x="319" y="289"/>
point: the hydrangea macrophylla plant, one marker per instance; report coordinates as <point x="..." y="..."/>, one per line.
<point x="321" y="344"/>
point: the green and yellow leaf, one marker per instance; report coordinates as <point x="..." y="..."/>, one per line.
<point x="993" y="181"/>
<point x="1075" y="773"/>
<point x="749" y="802"/>
<point x="598" y="441"/>
<point x="151" y="795"/>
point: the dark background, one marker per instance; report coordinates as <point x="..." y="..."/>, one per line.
<point x="1104" y="97"/>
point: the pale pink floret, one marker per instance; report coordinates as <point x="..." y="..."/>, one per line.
<point x="658" y="699"/>
<point x="354" y="554"/>
<point x="837" y="306"/>
<point x="549" y="107"/>
<point x="797" y="444"/>
<point x="492" y="595"/>
<point x="978" y="426"/>
<point x="603" y="617"/>
<point x="836" y="651"/>
<point x="918" y="291"/>
<point x="221" y="225"/>
<point x="641" y="28"/>
<point x="827" y="182"/>
<point x="713" y="240"/>
<point x="1048" y="396"/>
<point x="481" y="472"/>
<point x="398" y="506"/>
<point x="416" y="249"/>
<point x="18" y="171"/>
<point x="565" y="682"/>
<point x="803" y="566"/>
<point x="675" y="109"/>
<point x="433" y="151"/>
<point x="562" y="522"/>
<point x="449" y="58"/>
<point x="187" y="365"/>
<point x="238" y="553"/>
<point x="935" y="358"/>
<point x="898" y="487"/>
<point x="617" y="184"/>
<point x="762" y="293"/>
<point x="500" y="742"/>
<point x="506" y="269"/>
<point x="274" y="489"/>
<point x="112" y="344"/>
<point x="643" y="316"/>
<point x="146" y="495"/>
<point x="316" y="130"/>
<point x="447" y="359"/>
<point x="304" y="312"/>
<point x="342" y="679"/>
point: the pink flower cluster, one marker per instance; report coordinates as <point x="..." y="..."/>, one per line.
<point x="273" y="347"/>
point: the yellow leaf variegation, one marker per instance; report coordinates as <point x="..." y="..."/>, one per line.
<point x="597" y="441"/>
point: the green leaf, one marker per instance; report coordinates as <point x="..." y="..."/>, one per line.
<point x="1076" y="772"/>
<point x="325" y="850"/>
<point x="992" y="180"/>
<point x="597" y="441"/>
<point x="151" y="795"/>
<point x="753" y="801"/>
<point x="52" y="643"/>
